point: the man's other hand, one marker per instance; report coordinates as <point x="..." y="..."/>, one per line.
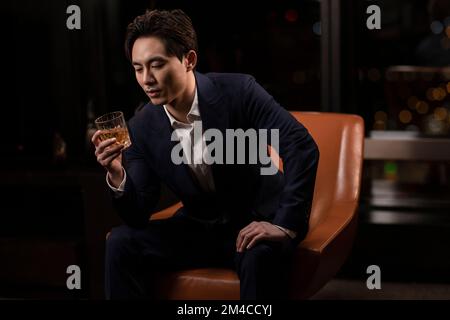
<point x="257" y="231"/>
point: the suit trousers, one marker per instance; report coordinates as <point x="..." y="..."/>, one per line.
<point x="135" y="257"/>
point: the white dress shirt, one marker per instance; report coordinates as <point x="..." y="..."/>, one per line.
<point x="201" y="170"/>
<point x="185" y="134"/>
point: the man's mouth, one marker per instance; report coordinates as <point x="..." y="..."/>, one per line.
<point x="153" y="92"/>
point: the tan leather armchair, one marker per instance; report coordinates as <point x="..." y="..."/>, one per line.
<point x="333" y="220"/>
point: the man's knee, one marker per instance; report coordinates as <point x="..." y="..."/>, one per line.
<point x="130" y="245"/>
<point x="119" y="241"/>
<point x="261" y="255"/>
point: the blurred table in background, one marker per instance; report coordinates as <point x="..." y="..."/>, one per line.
<point x="404" y="212"/>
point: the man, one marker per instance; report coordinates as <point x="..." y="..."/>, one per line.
<point x="232" y="215"/>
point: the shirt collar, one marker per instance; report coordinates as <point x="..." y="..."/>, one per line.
<point x="193" y="114"/>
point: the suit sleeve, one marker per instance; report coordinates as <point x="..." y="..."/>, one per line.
<point x="142" y="187"/>
<point x="298" y="151"/>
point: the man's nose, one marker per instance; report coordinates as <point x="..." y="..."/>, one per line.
<point x="149" y="78"/>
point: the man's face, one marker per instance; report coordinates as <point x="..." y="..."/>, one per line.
<point x="163" y="78"/>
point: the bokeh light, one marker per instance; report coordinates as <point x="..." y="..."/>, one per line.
<point x="291" y="15"/>
<point x="422" y="107"/>
<point x="317" y="28"/>
<point x="380" y="116"/>
<point x="440" y="113"/>
<point x="436" y="27"/>
<point x="405" y="116"/>
<point x="439" y="94"/>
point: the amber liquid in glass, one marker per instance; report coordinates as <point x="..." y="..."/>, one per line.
<point x="121" y="135"/>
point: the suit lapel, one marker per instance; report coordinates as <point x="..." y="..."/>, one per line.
<point x="213" y="111"/>
<point x="215" y="115"/>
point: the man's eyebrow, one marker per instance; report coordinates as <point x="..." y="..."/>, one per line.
<point x="152" y="59"/>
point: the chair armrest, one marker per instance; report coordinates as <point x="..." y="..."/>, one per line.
<point x="326" y="246"/>
<point x="166" y="213"/>
<point x="336" y="220"/>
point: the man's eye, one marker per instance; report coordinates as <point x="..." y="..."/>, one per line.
<point x="157" y="66"/>
<point x="138" y="69"/>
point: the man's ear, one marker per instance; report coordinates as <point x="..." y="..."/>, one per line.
<point x="191" y="60"/>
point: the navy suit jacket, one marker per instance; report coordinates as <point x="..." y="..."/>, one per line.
<point x="226" y="101"/>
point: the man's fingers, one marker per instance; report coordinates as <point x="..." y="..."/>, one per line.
<point x="257" y="231"/>
<point x="107" y="151"/>
<point x="255" y="240"/>
<point x="107" y="161"/>
<point x="240" y="236"/>
<point x="243" y="244"/>
<point x="245" y="230"/>
<point x="246" y="239"/>
<point x="107" y="143"/>
<point x="104" y="145"/>
<point x="250" y="226"/>
<point x="240" y="240"/>
<point x="96" y="137"/>
<point x="239" y="243"/>
<point x="116" y="150"/>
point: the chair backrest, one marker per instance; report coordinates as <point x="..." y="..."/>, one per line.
<point x="339" y="138"/>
